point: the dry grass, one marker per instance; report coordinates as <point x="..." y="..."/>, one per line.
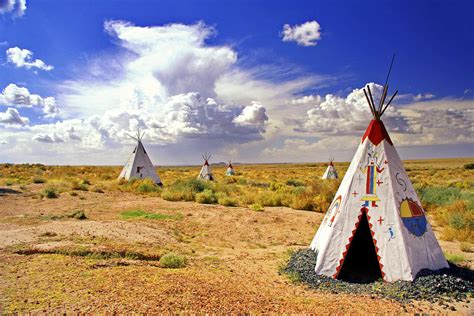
<point x="445" y="186"/>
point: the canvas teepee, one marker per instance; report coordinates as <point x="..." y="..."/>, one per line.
<point x="330" y="172"/>
<point x="206" y="173"/>
<point x="139" y="164"/>
<point x="376" y="226"/>
<point x="230" y="170"/>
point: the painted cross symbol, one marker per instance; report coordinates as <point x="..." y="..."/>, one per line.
<point x="359" y="179"/>
<point x="385" y="161"/>
<point x="354" y="193"/>
<point x="380" y="220"/>
<point x="379" y="182"/>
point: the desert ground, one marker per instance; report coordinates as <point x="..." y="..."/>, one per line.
<point x="96" y="245"/>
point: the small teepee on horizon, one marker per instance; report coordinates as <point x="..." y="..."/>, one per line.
<point x="139" y="165"/>
<point x="230" y="170"/>
<point x="205" y="173"/>
<point x="330" y="172"/>
<point x="376" y="227"/>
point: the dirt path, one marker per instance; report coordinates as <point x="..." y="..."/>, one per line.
<point x="233" y="258"/>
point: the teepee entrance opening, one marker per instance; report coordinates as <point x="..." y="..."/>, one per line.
<point x="361" y="264"/>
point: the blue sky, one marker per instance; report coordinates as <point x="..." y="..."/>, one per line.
<point x="274" y="99"/>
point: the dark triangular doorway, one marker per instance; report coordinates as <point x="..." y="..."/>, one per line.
<point x="361" y="264"/>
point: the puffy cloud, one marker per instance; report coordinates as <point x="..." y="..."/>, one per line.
<point x="307" y="99"/>
<point x="423" y="96"/>
<point x="175" y="87"/>
<point x="24" y="58"/>
<point x="11" y="117"/>
<point x="175" y="55"/>
<point x="20" y="97"/>
<point x="338" y="115"/>
<point x="252" y="114"/>
<point x="445" y="121"/>
<point x="306" y="34"/>
<point x="16" y="7"/>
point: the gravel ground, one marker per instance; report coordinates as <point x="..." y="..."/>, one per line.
<point x="443" y="287"/>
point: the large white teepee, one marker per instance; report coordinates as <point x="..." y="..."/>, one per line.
<point x="206" y="173"/>
<point x="139" y="164"/>
<point x="230" y="170"/>
<point x="376" y="226"/>
<point x="330" y="172"/>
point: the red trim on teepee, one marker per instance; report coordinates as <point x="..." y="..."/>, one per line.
<point x="376" y="132"/>
<point x="341" y="261"/>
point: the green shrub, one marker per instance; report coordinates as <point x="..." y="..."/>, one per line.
<point x="227" y="201"/>
<point x="80" y="215"/>
<point x="73" y="193"/>
<point x="294" y="183"/>
<point x="147" y="186"/>
<point x="75" y="185"/>
<point x="49" y="193"/>
<point x="86" y="182"/>
<point x="9" y="182"/>
<point x="38" y="180"/>
<point x="172" y="261"/>
<point x="257" y="207"/>
<point x="469" y="166"/>
<point x="206" y="197"/>
<point x="438" y="195"/>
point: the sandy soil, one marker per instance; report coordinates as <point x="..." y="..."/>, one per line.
<point x="233" y="256"/>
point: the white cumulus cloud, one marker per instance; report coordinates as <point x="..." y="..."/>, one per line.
<point x="252" y="114"/>
<point x="24" y="58"/>
<point x="16" y="7"/>
<point x="20" y="97"/>
<point x="306" y="34"/>
<point x="11" y="117"/>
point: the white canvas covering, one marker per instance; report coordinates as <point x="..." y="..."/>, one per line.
<point x="206" y="173"/>
<point x="377" y="185"/>
<point x="139" y="166"/>
<point x="330" y="172"/>
<point x="230" y="170"/>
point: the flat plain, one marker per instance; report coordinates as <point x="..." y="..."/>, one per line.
<point x="75" y="239"/>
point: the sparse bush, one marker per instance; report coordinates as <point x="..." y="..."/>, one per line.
<point x="49" y="193"/>
<point x="457" y="220"/>
<point x="48" y="234"/>
<point x="295" y="183"/>
<point x="469" y="166"/>
<point x="227" y="201"/>
<point x="256" y="207"/>
<point x="38" y="180"/>
<point x="206" y="197"/>
<point x="438" y="196"/>
<point x="73" y="193"/>
<point x="147" y="186"/>
<point x="9" y="182"/>
<point x="466" y="247"/>
<point x="79" y="214"/>
<point x="75" y="185"/>
<point x="172" y="261"/>
<point x="97" y="189"/>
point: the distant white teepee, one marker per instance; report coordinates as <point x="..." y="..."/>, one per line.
<point x="206" y="173"/>
<point x="230" y="170"/>
<point x="139" y="165"/>
<point x="331" y="172"/>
